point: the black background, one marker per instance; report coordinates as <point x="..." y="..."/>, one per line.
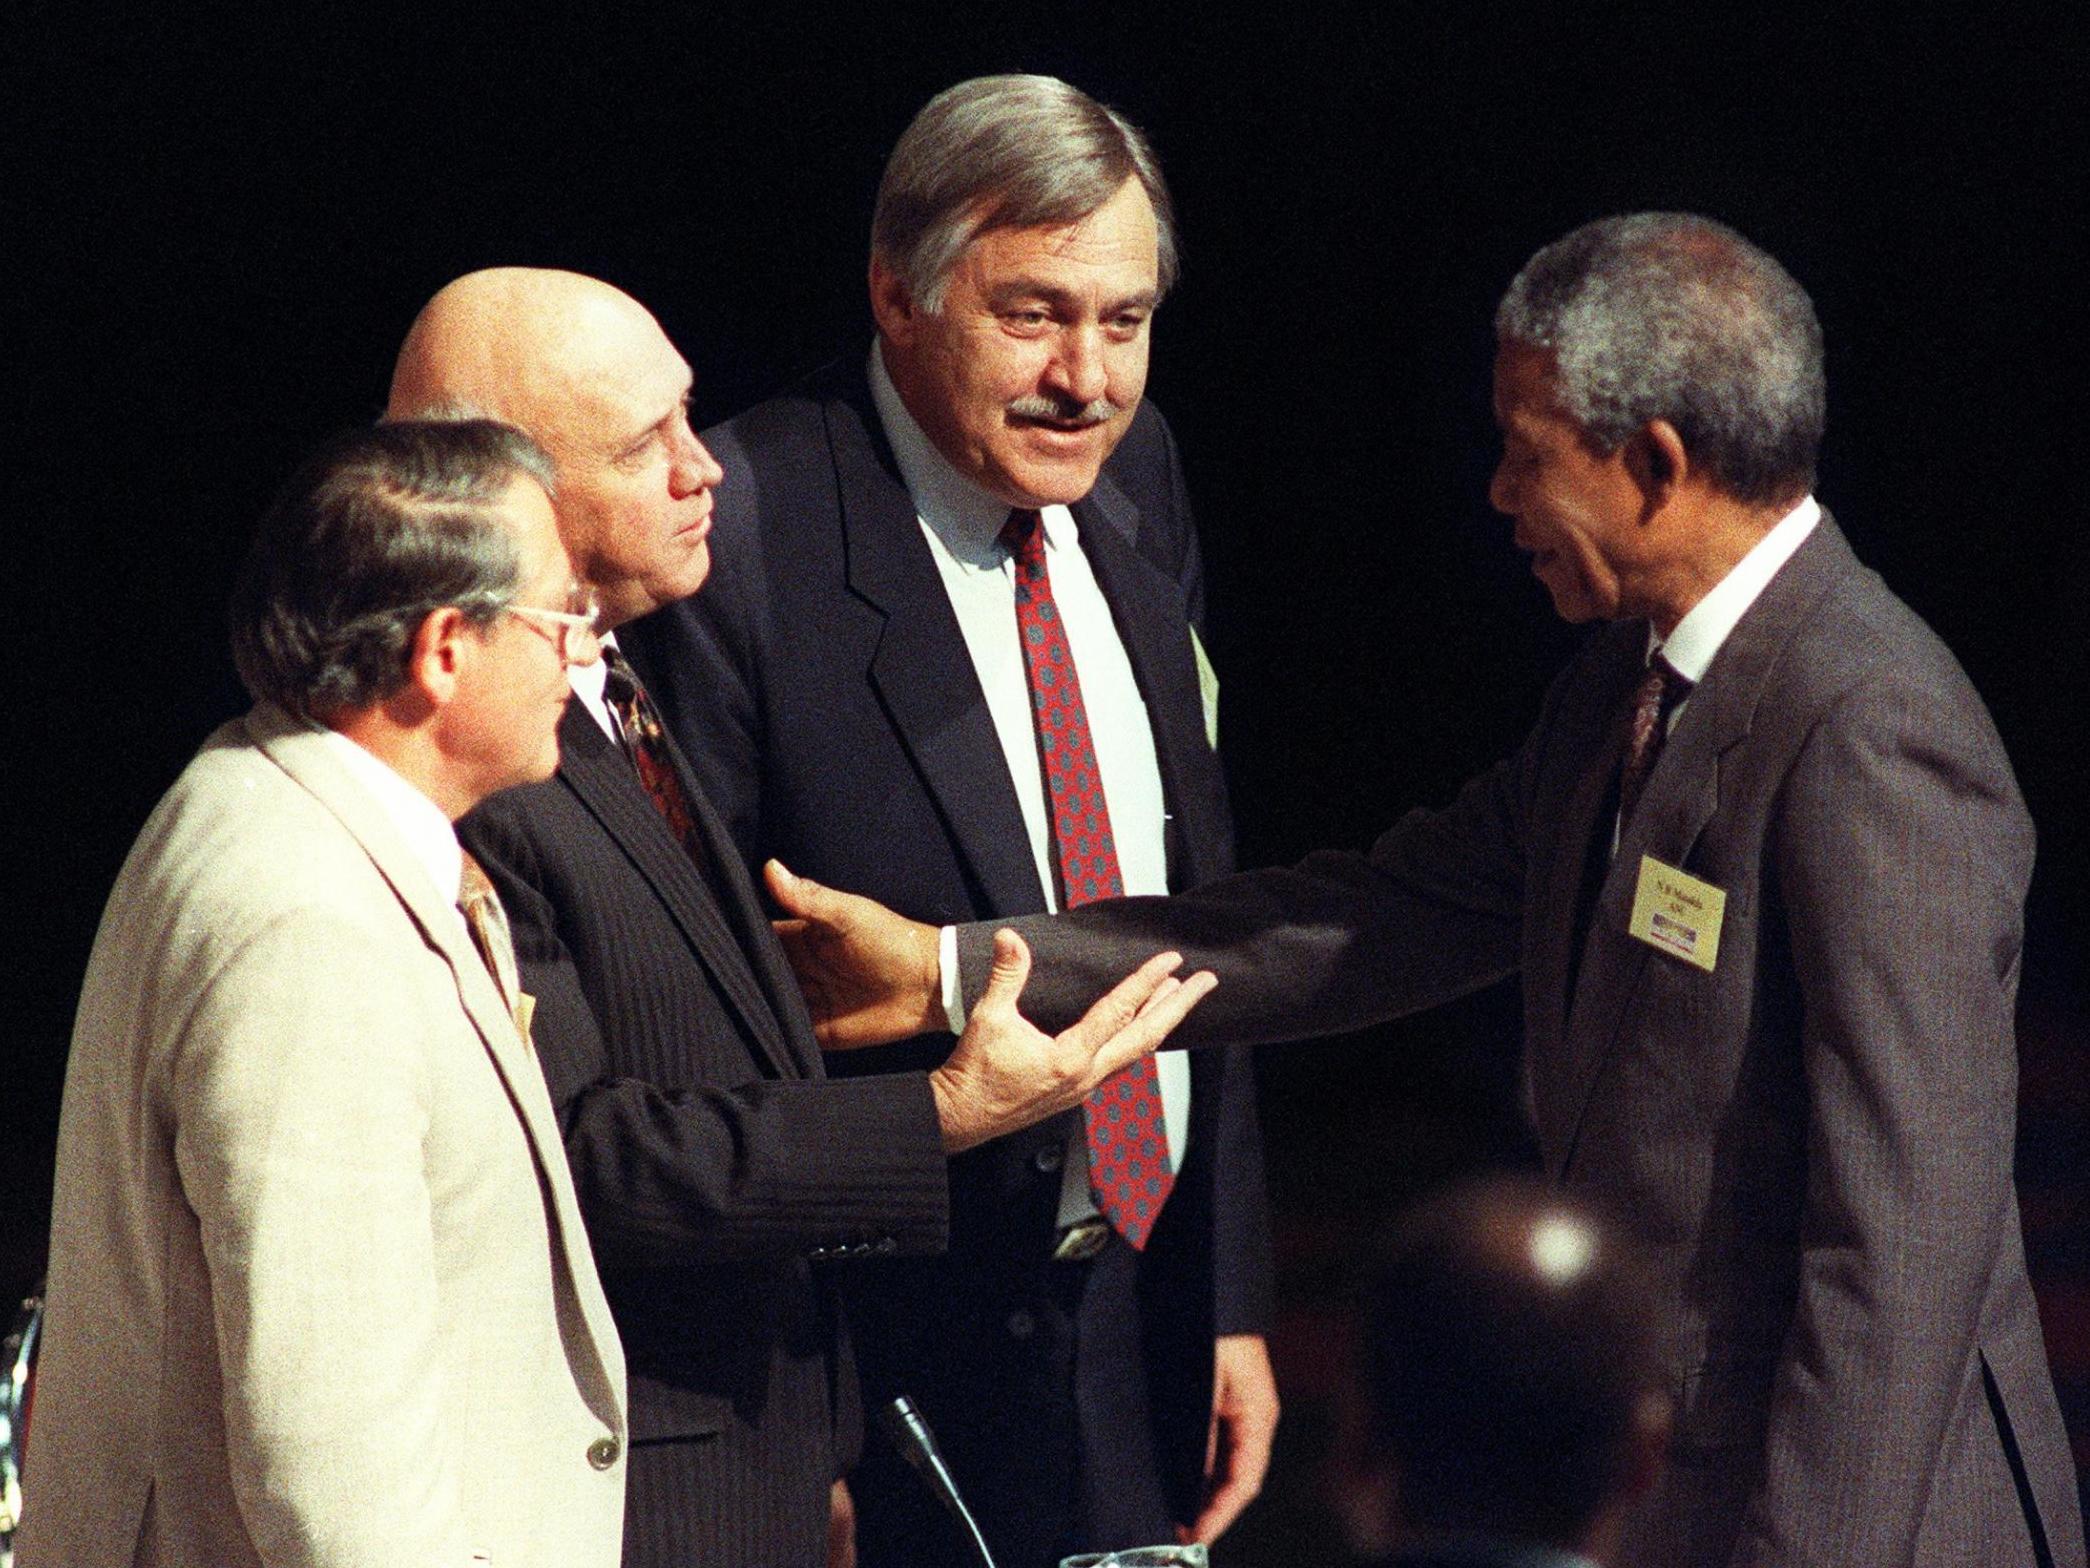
<point x="220" y="221"/>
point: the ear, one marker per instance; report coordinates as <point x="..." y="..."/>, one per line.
<point x="892" y="305"/>
<point x="435" y="660"/>
<point x="1656" y="459"/>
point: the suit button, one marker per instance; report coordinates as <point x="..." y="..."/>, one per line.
<point x="1021" y="1324"/>
<point x="1051" y="1157"/>
<point x="602" y="1453"/>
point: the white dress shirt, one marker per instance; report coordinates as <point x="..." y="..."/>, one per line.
<point x="963" y="525"/>
<point x="1692" y="643"/>
<point x="590" y="684"/>
<point x="1690" y="647"/>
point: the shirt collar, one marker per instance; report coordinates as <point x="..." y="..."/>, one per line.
<point x="589" y="682"/>
<point x="1691" y="646"/>
<point x="420" y="821"/>
<point x="964" y="517"/>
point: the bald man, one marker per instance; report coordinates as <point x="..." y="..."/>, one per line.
<point x="717" y="1168"/>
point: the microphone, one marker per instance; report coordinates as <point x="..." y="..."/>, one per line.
<point x="917" y="1444"/>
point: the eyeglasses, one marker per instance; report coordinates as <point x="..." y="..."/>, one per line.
<point x="575" y="635"/>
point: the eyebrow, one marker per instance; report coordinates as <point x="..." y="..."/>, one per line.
<point x="639" y="438"/>
<point x="1016" y="289"/>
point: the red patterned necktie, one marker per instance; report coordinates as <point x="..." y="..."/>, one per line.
<point x="1654" y="699"/>
<point x="1127" y="1134"/>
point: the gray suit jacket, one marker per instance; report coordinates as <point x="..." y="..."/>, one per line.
<point x="319" y="1292"/>
<point x="1814" y="1139"/>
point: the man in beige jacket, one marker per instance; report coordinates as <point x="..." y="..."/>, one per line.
<point x="319" y="1293"/>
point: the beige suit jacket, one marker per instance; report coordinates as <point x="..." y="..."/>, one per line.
<point x="319" y="1293"/>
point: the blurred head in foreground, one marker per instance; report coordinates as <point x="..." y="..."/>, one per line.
<point x="1512" y="1383"/>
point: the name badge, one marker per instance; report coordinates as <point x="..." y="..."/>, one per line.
<point x="1675" y="913"/>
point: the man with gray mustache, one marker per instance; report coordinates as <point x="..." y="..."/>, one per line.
<point x="856" y="691"/>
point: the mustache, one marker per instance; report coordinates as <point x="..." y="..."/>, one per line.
<point x="1051" y="411"/>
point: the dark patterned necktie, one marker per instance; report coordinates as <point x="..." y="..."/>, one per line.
<point x="1127" y="1133"/>
<point x="1654" y="699"/>
<point x="646" y="743"/>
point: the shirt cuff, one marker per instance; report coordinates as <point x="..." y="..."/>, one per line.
<point x="947" y="978"/>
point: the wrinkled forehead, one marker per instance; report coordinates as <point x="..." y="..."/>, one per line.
<point x="1118" y="233"/>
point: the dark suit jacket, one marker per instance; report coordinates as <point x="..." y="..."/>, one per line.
<point x="1815" y="1139"/>
<point x="713" y="1163"/>
<point x="824" y="692"/>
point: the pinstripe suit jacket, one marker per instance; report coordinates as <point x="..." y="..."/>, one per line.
<point x="714" y="1163"/>
<point x="1814" y="1139"/>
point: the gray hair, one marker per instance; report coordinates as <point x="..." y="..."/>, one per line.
<point x="377" y="530"/>
<point x="1006" y="152"/>
<point x="1667" y="315"/>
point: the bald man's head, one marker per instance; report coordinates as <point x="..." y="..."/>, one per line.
<point x="586" y="371"/>
<point x="1514" y="1378"/>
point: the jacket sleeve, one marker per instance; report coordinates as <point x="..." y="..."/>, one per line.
<point x="710" y="1171"/>
<point x="1337" y="942"/>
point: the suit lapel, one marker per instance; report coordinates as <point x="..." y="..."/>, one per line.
<point x="754" y="945"/>
<point x="1557" y="951"/>
<point x="1149" y="609"/>
<point x="921" y="668"/>
<point x="605" y="782"/>
<point x="304" y="754"/>
<point x="1685" y="791"/>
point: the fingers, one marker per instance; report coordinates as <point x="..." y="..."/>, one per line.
<point x="1122" y="1002"/>
<point x="1160" y="993"/>
<point x="1230" y="1488"/>
<point x="1244" y="1421"/>
<point x="1152" y="1024"/>
<point x="1223" y="1509"/>
<point x="1233" y="1494"/>
<point x="1011" y="969"/>
<point x="799" y="895"/>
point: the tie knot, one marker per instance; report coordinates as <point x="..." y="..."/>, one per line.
<point x="474" y="886"/>
<point x="1023" y="536"/>
<point x="1663" y="679"/>
<point x="618" y="682"/>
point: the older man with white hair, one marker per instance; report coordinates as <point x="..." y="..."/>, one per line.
<point x="1761" y="864"/>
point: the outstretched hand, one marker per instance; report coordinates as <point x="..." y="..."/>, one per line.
<point x="1005" y="1073"/>
<point x="869" y="975"/>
